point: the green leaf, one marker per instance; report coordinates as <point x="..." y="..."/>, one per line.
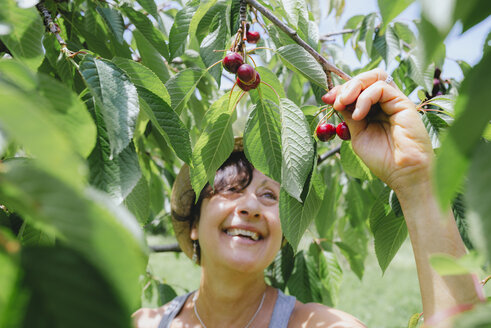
<point x="389" y="230"/>
<point x="477" y="198"/>
<point x="352" y="164"/>
<point x="116" y="175"/>
<point x="116" y="97"/>
<point x="214" y="145"/>
<point x="296" y="216"/>
<point x="150" y="6"/>
<point x="297" y="146"/>
<point x="390" y="9"/>
<point x="180" y="29"/>
<point x="108" y="236"/>
<point x="413" y="321"/>
<point x="393" y="48"/>
<point x="150" y="57"/>
<point x="138" y="201"/>
<point x="39" y="134"/>
<point x="216" y="40"/>
<point x="147" y="30"/>
<point x="262" y="141"/>
<point x="445" y="264"/>
<point x="72" y="291"/>
<point x="299" y="60"/>
<point x="354" y="258"/>
<point x="367" y="31"/>
<point x="167" y="123"/>
<point x="57" y="59"/>
<point x="280" y="270"/>
<point x="272" y="92"/>
<point x="9" y="276"/>
<point x="114" y="22"/>
<point x="471" y="12"/>
<point x="69" y="114"/>
<point x="316" y="276"/>
<point x="26" y="30"/>
<point x="30" y="236"/>
<point x="327" y="214"/>
<point x="201" y="12"/>
<point x="182" y="85"/>
<point x="446" y="103"/>
<point x="472" y="117"/>
<point x="420" y="74"/>
<point x="141" y="76"/>
<point x="434" y="125"/>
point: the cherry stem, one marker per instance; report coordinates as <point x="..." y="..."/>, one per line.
<point x="218" y="62"/>
<point x="485" y="280"/>
<point x="252" y="60"/>
<point x="276" y="93"/>
<point x="240" y="98"/>
<point x="258" y="48"/>
<point x="321" y="109"/>
<point x="328" y="115"/>
<point x="339" y="116"/>
<point x="231" y="91"/>
<point x="217" y="50"/>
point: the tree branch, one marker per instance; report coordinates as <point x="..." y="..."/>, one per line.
<point x="328" y="67"/>
<point x="50" y="25"/>
<point x="328" y="154"/>
<point x="166" y="248"/>
<point x="328" y="36"/>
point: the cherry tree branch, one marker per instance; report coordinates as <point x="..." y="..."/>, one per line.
<point x="328" y="154"/>
<point x="166" y="248"/>
<point x="50" y="25"/>
<point x="327" y="67"/>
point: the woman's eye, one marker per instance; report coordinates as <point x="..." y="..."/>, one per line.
<point x="270" y="194"/>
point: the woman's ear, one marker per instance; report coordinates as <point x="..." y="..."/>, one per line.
<point x="194" y="231"/>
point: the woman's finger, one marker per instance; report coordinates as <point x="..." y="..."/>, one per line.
<point x="330" y="97"/>
<point x="391" y="100"/>
<point x="351" y="89"/>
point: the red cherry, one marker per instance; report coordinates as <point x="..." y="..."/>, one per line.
<point x="253" y="36"/>
<point x="232" y="62"/>
<point x="325" y="131"/>
<point x="246" y="74"/>
<point x="342" y="131"/>
<point x="247" y="87"/>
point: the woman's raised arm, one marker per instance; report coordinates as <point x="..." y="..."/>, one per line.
<point x="395" y="145"/>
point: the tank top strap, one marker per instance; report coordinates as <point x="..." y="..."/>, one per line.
<point x="282" y="311"/>
<point x="173" y="310"/>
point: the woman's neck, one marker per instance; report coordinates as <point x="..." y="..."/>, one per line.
<point x="228" y="299"/>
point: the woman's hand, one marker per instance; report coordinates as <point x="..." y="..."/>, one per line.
<point x="393" y="142"/>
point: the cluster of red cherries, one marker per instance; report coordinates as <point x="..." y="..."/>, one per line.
<point x="247" y="77"/>
<point x="327" y="131"/>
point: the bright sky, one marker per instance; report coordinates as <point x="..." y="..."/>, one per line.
<point x="467" y="47"/>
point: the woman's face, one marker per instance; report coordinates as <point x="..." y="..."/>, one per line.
<point x="241" y="230"/>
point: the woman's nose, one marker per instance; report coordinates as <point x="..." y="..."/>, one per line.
<point x="249" y="206"/>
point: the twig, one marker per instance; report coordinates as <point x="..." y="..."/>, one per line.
<point x="328" y="67"/>
<point x="51" y="26"/>
<point x="166" y="248"/>
<point x="328" y="154"/>
<point x="328" y="36"/>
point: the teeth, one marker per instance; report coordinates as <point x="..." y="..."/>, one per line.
<point x="241" y="232"/>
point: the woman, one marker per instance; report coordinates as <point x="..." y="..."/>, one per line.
<point x="234" y="232"/>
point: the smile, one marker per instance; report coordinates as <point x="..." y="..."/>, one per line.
<point x="243" y="233"/>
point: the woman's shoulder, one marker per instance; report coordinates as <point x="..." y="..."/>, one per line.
<point x="318" y="315"/>
<point x="148" y="318"/>
<point x="151" y="317"/>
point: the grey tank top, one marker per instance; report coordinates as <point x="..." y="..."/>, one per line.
<point x="282" y="311"/>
